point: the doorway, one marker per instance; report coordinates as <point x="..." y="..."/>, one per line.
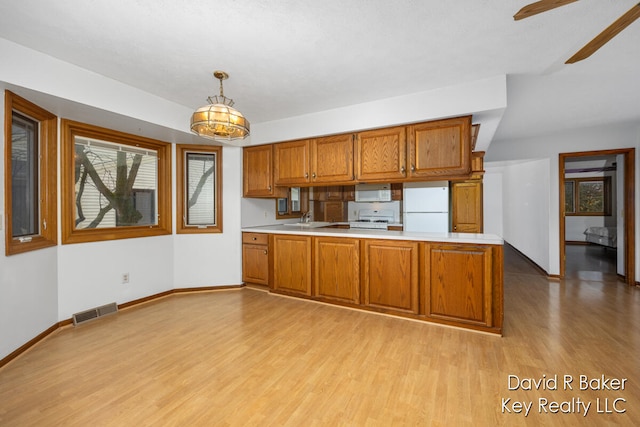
<point x="625" y="244"/>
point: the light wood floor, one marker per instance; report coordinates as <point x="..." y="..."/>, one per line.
<point x="590" y="262"/>
<point x="244" y="357"/>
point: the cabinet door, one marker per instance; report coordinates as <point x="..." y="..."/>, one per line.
<point x="454" y="293"/>
<point x="291" y="264"/>
<point x="441" y="148"/>
<point x="257" y="171"/>
<point x="381" y="154"/>
<point x="332" y="159"/>
<point x="337" y="269"/>
<point x="291" y="163"/>
<point x="255" y="264"/>
<point x="466" y="207"/>
<point x="390" y="275"/>
<point x="335" y="211"/>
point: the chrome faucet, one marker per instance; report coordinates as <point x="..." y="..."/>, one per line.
<point x="306" y="217"/>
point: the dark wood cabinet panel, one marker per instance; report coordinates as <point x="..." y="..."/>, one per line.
<point x="337" y="269"/>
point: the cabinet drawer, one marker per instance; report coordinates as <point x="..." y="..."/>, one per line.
<point x="255" y="238"/>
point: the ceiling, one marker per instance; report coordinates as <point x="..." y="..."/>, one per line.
<point x="294" y="57"/>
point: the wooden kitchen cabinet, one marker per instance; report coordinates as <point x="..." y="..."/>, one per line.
<point x="461" y="295"/>
<point x="440" y="148"/>
<point x="457" y="284"/>
<point x="291" y="163"/>
<point x="328" y="193"/>
<point x="390" y="275"/>
<point x="329" y="211"/>
<point x="466" y="206"/>
<point x="255" y="258"/>
<point x="337" y="269"/>
<point x="380" y="155"/>
<point x="291" y="269"/>
<point x="257" y="172"/>
<point x="311" y="161"/>
<point x="332" y="159"/>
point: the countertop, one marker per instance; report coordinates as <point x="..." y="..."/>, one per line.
<point x="474" y="238"/>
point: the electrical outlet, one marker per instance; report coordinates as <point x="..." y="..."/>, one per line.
<point x="125" y="278"/>
<point x="265" y="214"/>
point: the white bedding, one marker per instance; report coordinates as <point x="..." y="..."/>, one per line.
<point x="605" y="236"/>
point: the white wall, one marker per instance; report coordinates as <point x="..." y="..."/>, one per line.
<point x="28" y="294"/>
<point x="525" y="205"/>
<point x="492" y="204"/>
<point x="548" y="147"/>
<point x="42" y="287"/>
<point x="201" y="260"/>
<point x="486" y="99"/>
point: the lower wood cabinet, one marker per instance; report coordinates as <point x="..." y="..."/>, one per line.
<point x="337" y="269"/>
<point x="291" y="263"/>
<point x="459" y="283"/>
<point x="390" y="275"/>
<point x="255" y="258"/>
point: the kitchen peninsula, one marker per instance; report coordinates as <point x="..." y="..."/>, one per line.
<point x="454" y="279"/>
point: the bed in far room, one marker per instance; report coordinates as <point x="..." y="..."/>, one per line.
<point x="604" y="236"/>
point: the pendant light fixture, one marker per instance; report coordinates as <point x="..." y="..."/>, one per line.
<point x="218" y="119"/>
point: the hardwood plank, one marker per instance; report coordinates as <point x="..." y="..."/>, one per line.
<point x="246" y="357"/>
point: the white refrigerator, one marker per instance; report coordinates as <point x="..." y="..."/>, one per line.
<point x="425" y="206"/>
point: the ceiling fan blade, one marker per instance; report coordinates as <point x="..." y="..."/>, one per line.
<point x="610" y="32"/>
<point x="539" y="7"/>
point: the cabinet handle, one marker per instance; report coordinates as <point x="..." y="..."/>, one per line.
<point x="306" y="175"/>
<point x="254" y="238"/>
<point x="265" y="251"/>
<point x="269" y="188"/>
<point x="403" y="170"/>
<point x="413" y="168"/>
<point x="455" y="227"/>
<point x="313" y="175"/>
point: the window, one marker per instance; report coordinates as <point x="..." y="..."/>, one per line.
<point x="30" y="176"/>
<point x="114" y="185"/>
<point x="199" y="189"/>
<point x="293" y="206"/>
<point x="588" y="196"/>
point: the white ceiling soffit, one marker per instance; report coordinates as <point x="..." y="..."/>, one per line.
<point x="294" y="58"/>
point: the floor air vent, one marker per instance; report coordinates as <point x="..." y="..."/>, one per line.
<point x="94" y="313"/>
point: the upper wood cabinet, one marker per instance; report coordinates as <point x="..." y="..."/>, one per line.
<point x="466" y="206"/>
<point x="322" y="160"/>
<point x="291" y="162"/>
<point x="332" y="159"/>
<point x="440" y="148"/>
<point x="257" y="170"/>
<point x="380" y="155"/>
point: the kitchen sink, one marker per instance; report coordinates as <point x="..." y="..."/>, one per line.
<point x="312" y="224"/>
